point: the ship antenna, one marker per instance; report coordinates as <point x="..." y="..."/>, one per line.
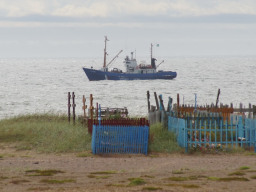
<point x="105" y="52"/>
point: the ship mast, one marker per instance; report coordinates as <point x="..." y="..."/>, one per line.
<point x="105" y="52"/>
<point x="151" y="51"/>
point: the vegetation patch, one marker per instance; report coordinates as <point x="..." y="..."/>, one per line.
<point x="45" y="133"/>
<point x="98" y="177"/>
<point x="253" y="177"/>
<point x="36" y="172"/>
<point x="1" y="156"/>
<point x="115" y="185"/>
<point x="104" y="172"/>
<point x="54" y="181"/>
<point x="19" y="181"/>
<point x="151" y="188"/>
<point x="244" y="168"/>
<point x="84" y="154"/>
<point x="162" y="140"/>
<point x="183" y="185"/>
<point x="38" y="188"/>
<point x="238" y="173"/>
<point x="178" y="172"/>
<point x="185" y="178"/>
<point x="3" y="178"/>
<point x="136" y="181"/>
<point x="228" y="179"/>
<point x="148" y="176"/>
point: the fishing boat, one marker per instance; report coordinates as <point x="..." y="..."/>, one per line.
<point x="133" y="71"/>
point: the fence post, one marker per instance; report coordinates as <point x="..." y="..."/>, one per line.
<point x="91" y="106"/>
<point x="157" y="104"/>
<point x="69" y="105"/>
<point x="84" y="108"/>
<point x="74" y="107"/>
<point x="148" y="97"/>
<point x="254" y="111"/>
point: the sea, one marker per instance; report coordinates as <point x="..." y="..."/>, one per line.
<point x="41" y="85"/>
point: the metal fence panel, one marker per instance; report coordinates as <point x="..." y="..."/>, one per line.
<point x="209" y="132"/>
<point x="120" y="139"/>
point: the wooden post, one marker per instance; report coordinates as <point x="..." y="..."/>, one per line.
<point x="178" y="104"/>
<point x="91" y="106"/>
<point x="74" y="107"/>
<point x="148" y="97"/>
<point x="84" y="108"/>
<point x="254" y="111"/>
<point x="97" y="111"/>
<point x="217" y="100"/>
<point x="69" y="105"/>
<point x="250" y="110"/>
<point x="157" y="104"/>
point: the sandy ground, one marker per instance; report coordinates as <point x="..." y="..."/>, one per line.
<point x="93" y="173"/>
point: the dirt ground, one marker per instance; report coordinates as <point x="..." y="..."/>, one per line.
<point x="20" y="171"/>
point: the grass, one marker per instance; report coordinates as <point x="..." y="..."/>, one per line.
<point x="185" y="178"/>
<point x="151" y="188"/>
<point x="136" y="181"/>
<point x="193" y="186"/>
<point x="45" y="133"/>
<point x="228" y="179"/>
<point x="253" y="177"/>
<point x="161" y="140"/>
<point x="104" y="172"/>
<point x="244" y="168"/>
<point x="49" y="172"/>
<point x="85" y="154"/>
<point x="54" y="181"/>
<point x="98" y="177"/>
<point x="238" y="173"/>
<point x="177" y="172"/>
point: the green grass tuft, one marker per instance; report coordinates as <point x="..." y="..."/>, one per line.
<point x="151" y="188"/>
<point x="185" y="178"/>
<point x="228" y="179"/>
<point x="115" y="185"/>
<point x="104" y="172"/>
<point x="177" y="172"/>
<point x="84" y="154"/>
<point x="49" y="172"/>
<point x="54" y="181"/>
<point x="239" y="173"/>
<point x="136" y="181"/>
<point x="162" y="140"/>
<point x="45" y="133"/>
<point x="192" y="186"/>
<point x="244" y="168"/>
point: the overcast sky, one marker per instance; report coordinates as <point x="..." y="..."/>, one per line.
<point x="65" y="28"/>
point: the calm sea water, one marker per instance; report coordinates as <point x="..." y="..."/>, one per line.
<point x="41" y="85"/>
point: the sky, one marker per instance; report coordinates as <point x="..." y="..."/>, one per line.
<point x="65" y="28"/>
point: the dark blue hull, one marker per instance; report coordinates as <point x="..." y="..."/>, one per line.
<point x="97" y="75"/>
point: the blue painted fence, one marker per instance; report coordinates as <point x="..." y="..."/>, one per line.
<point x="120" y="139"/>
<point x="212" y="132"/>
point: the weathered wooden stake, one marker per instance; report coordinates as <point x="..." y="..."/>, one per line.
<point x="254" y="111"/>
<point x="217" y="100"/>
<point x="91" y="106"/>
<point x="148" y="97"/>
<point x="84" y="108"/>
<point x="157" y="104"/>
<point x="69" y="105"/>
<point x="74" y="107"/>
